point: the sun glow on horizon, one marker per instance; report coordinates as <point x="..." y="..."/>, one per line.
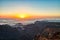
<point x="23" y="16"/>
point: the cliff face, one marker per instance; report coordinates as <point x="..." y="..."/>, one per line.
<point x="50" y="32"/>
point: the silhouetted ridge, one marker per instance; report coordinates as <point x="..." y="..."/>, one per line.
<point x="9" y="33"/>
<point x="29" y="31"/>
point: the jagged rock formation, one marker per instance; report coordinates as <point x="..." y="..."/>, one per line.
<point x="50" y="32"/>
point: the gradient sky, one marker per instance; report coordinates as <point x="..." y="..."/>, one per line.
<point x="42" y="8"/>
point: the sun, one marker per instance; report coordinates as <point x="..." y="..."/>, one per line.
<point x="22" y="16"/>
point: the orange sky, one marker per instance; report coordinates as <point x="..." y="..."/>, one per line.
<point x="25" y="16"/>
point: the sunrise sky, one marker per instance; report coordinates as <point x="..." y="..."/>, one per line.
<point x="29" y="9"/>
